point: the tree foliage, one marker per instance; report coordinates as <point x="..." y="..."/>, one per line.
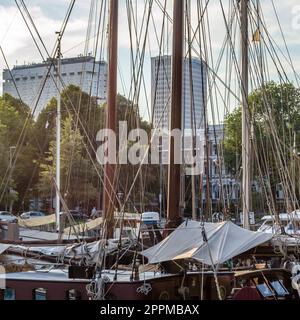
<point x="275" y="121"/>
<point x="34" y="172"/>
<point x="16" y="129"/>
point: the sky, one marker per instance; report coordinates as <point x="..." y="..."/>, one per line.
<point x="19" y="48"/>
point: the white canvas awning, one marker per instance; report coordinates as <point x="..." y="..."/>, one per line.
<point x="225" y="241"/>
<point x="3" y="247"/>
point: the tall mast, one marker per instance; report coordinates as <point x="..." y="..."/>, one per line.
<point x="111" y="119"/>
<point x="174" y="170"/>
<point x="192" y="105"/>
<point x="245" y="115"/>
<point x="58" y="134"/>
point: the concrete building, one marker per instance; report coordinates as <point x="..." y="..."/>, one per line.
<point x="34" y="80"/>
<point x="161" y="72"/>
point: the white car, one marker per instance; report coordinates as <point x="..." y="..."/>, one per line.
<point x="290" y="223"/>
<point x="7" y="217"/>
<point x="32" y="215"/>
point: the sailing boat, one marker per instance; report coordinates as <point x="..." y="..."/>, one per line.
<point x="173" y="274"/>
<point x="132" y="285"/>
<point x="176" y="282"/>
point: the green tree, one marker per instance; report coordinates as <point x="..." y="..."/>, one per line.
<point x="15" y="131"/>
<point x="275" y="119"/>
<point x="274" y="106"/>
<point x="76" y="180"/>
<point x="233" y="140"/>
<point x="82" y="118"/>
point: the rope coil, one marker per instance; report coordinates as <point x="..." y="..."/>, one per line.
<point x="96" y="289"/>
<point x="145" y="289"/>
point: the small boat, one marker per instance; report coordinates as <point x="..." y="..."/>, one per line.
<point x="289" y="223"/>
<point x="265" y="284"/>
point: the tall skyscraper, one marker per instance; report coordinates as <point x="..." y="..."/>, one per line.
<point x="33" y="80"/>
<point x="194" y="92"/>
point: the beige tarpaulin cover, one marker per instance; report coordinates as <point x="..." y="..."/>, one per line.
<point x="225" y="241"/>
<point x="81" y="228"/>
<point x="42" y="221"/>
<point x="37" y="222"/>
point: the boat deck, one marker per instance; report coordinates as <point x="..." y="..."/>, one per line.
<point x="61" y="275"/>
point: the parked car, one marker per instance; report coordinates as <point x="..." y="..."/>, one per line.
<point x="6" y="216"/>
<point x="32" y="215"/>
<point x="77" y="215"/>
<point x="289" y="223"/>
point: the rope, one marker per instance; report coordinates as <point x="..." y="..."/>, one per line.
<point x="96" y="289"/>
<point x="145" y="289"/>
<point x="205" y="239"/>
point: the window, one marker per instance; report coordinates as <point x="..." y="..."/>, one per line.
<point x="9" y="294"/>
<point x="72" y="73"/>
<point x="253" y="188"/>
<point x="215" y="149"/>
<point x="73" y="295"/>
<point x="39" y="294"/>
<point x="264" y="290"/>
<point x="279" y="288"/>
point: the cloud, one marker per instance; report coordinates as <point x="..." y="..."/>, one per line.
<point x="15" y="38"/>
<point x="48" y="16"/>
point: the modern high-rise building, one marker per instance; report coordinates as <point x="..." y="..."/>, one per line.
<point x="194" y="92"/>
<point x="37" y="87"/>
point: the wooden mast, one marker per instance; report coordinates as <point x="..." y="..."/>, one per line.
<point x="246" y="146"/>
<point x="174" y="170"/>
<point x="111" y="119"/>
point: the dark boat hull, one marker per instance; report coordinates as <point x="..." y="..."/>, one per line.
<point x="169" y="287"/>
